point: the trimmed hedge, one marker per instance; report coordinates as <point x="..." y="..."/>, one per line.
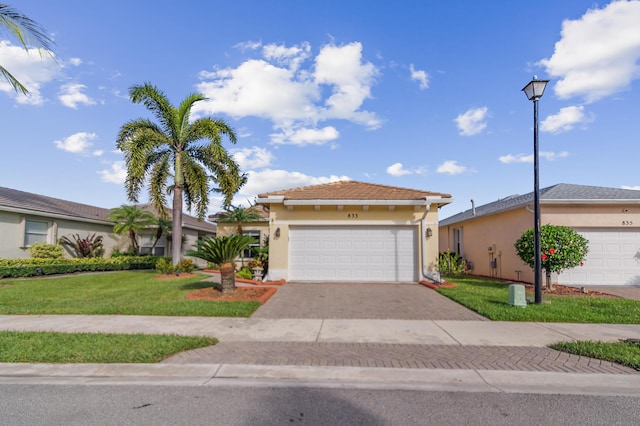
<point x="15" y="268"/>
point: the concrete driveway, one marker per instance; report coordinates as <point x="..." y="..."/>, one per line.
<point x="362" y="301"/>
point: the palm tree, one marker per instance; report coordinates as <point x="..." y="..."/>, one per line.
<point x="223" y="251"/>
<point x="131" y="220"/>
<point x="27" y="32"/>
<point x="239" y="215"/>
<point x="175" y="149"/>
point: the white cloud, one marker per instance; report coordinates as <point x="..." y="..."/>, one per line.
<point x="397" y="169"/>
<point x="71" y="95"/>
<point x="117" y="173"/>
<point x="472" y="122"/>
<point x="564" y="120"/>
<point x="597" y="55"/>
<point x="278" y="87"/>
<point x="305" y="136"/>
<point x="451" y="167"/>
<point x="420" y="76"/>
<point x="268" y="180"/>
<point x="78" y="143"/>
<point x="75" y="61"/>
<point x="254" y="157"/>
<point x="248" y="45"/>
<point x="528" y="158"/>
<point x="33" y="68"/>
<point x="292" y="57"/>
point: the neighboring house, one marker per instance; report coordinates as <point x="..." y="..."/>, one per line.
<point x="608" y="217"/>
<point x="258" y="229"/>
<point x="353" y="231"/>
<point x="26" y="218"/>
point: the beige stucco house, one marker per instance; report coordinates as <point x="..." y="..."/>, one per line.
<point x="26" y="218"/>
<point x="609" y="218"/>
<point x="353" y="231"/>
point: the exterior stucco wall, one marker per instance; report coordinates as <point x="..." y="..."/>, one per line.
<point x="67" y="228"/>
<point x="282" y="217"/>
<point x="500" y="231"/>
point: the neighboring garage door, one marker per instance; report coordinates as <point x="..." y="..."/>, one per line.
<point x="613" y="259"/>
<point x="353" y="253"/>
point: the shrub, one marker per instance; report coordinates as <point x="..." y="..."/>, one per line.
<point x="245" y="273"/>
<point x="450" y="263"/>
<point x="561" y="248"/>
<point x="42" y="250"/>
<point x="16" y="268"/>
<point x="186" y="265"/>
<point x="91" y="246"/>
<point x="165" y="266"/>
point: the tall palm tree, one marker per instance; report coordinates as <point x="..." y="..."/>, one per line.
<point x="188" y="153"/>
<point x="131" y="220"/>
<point x="27" y="32"/>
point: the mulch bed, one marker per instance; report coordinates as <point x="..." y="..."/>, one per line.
<point x="240" y="294"/>
<point x="561" y="290"/>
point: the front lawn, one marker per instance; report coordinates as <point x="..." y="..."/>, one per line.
<point x="116" y="293"/>
<point x="490" y="298"/>
<point x="48" y="347"/>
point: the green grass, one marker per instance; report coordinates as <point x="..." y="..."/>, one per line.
<point x="117" y="293"/>
<point x="624" y="353"/>
<point x="47" y="347"/>
<point x="490" y="298"/>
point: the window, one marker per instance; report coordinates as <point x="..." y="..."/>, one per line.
<point x="35" y="232"/>
<point x="146" y="243"/>
<point x="457" y="240"/>
<point x="248" y="253"/>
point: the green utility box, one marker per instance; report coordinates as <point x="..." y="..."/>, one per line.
<point x="517" y="296"/>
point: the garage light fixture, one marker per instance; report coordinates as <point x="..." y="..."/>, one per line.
<point x="429" y="232"/>
<point x="277" y="233"/>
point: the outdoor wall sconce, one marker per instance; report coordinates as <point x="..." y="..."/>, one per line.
<point x="429" y="232"/>
<point x="277" y="234"/>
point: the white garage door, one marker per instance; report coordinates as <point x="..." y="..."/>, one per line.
<point x="613" y="259"/>
<point x="353" y="253"/>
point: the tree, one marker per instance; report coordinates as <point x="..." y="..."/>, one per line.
<point x="131" y="220"/>
<point x="239" y="215"/>
<point x="561" y="248"/>
<point x="27" y="32"/>
<point x="188" y="153"/>
<point x="223" y="251"/>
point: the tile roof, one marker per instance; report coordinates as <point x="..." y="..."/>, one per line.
<point x="261" y="209"/>
<point x="353" y="190"/>
<point x="43" y="205"/>
<point x="559" y="192"/>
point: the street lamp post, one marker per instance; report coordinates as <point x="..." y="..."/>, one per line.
<point x="534" y="90"/>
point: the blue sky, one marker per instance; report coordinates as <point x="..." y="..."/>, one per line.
<point x="417" y="94"/>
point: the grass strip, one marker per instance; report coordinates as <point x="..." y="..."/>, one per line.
<point x="624" y="353"/>
<point x="50" y="347"/>
<point x="490" y="298"/>
<point x="117" y="293"/>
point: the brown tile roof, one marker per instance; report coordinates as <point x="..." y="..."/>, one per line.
<point x="353" y="190"/>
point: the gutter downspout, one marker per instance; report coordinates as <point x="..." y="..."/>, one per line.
<point x="430" y="275"/>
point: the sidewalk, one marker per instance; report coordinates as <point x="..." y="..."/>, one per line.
<point x="408" y="354"/>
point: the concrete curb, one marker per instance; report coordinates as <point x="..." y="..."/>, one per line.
<point x="334" y="377"/>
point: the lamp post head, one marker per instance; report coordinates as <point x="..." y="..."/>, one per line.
<point x="535" y="88"/>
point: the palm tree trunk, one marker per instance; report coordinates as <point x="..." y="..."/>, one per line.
<point x="227" y="277"/>
<point x="176" y="228"/>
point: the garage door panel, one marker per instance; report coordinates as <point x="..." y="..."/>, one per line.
<point x="355" y="253"/>
<point x="612" y="259"/>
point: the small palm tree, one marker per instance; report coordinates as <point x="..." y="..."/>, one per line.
<point x="27" y="32"/>
<point x="223" y="251"/>
<point x="239" y="215"/>
<point x="131" y="220"/>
